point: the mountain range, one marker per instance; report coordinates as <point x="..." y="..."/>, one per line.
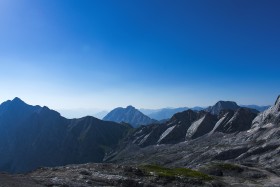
<point x="191" y="124"/>
<point x="226" y="141"/>
<point x="195" y="139"/>
<point x="33" y="136"/>
<point x="256" y="107"/>
<point x="166" y="113"/>
<point x="137" y="117"/>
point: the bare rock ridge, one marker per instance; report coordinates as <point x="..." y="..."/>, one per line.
<point x="270" y="116"/>
<point x="167" y="113"/>
<point x="128" y="115"/>
<point x="230" y="121"/>
<point x="233" y="140"/>
<point x="191" y="124"/>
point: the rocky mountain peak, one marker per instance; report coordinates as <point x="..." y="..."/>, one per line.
<point x="130" y="107"/>
<point x="184" y="116"/>
<point x="226" y="104"/>
<point x="222" y="105"/>
<point x="277" y="102"/>
<point x="17" y="100"/>
<point x="128" y="115"/>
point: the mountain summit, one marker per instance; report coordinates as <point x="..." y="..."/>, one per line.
<point x="128" y="115"/>
<point x="17" y="100"/>
<point x="222" y="105"/>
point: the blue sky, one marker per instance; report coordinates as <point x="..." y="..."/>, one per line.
<point x="91" y="55"/>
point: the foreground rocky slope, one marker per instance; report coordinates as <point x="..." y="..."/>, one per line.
<point x="216" y="174"/>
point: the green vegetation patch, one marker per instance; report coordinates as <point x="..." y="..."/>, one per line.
<point x="175" y="172"/>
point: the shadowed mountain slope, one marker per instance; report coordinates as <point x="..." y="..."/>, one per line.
<point x="33" y="136"/>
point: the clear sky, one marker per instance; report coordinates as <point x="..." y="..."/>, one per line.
<point x="84" y="55"/>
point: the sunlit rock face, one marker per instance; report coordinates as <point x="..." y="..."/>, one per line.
<point x="271" y="115"/>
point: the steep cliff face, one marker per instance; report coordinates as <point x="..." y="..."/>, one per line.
<point x="271" y="115"/>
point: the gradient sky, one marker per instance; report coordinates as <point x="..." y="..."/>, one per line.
<point x="81" y="55"/>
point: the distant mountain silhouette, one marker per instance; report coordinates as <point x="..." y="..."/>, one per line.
<point x="100" y="115"/>
<point x="166" y="113"/>
<point x="129" y="115"/>
<point x="33" y="136"/>
<point x="256" y="107"/>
